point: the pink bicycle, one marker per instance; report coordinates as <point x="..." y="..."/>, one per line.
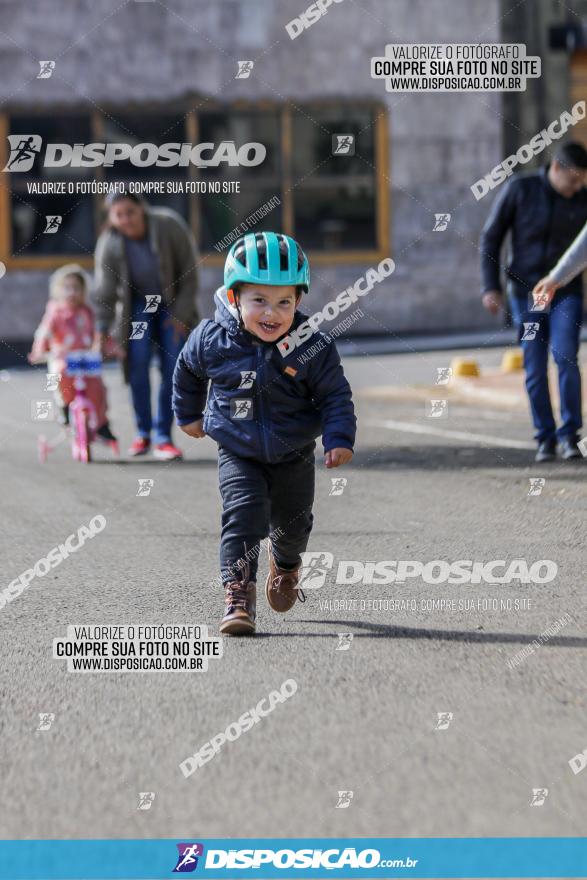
<point x="82" y="412"/>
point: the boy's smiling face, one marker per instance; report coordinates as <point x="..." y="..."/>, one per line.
<point x="268" y="311"/>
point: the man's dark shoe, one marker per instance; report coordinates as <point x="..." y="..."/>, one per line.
<point x="568" y="448"/>
<point x="241" y="606"/>
<point x="546" y="451"/>
<point x="281" y="586"/>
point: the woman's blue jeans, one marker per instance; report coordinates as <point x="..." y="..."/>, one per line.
<point x="160" y="335"/>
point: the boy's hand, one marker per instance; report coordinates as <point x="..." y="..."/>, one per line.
<point x="338" y="456"/>
<point x="194" y="429"/>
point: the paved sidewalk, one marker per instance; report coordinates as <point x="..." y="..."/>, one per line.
<point x="492" y="386"/>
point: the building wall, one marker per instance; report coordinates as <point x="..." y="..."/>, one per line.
<point x="528" y="112"/>
<point x="439" y="144"/>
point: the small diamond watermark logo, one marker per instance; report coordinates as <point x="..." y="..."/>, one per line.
<point x="344" y="800"/>
<point x="152" y="302"/>
<point x="241" y="408"/>
<point x="146" y="799"/>
<point x="244" y="69"/>
<point x="42" y="410"/>
<point x="138" y="329"/>
<point x="338" y="485"/>
<point x="443" y="721"/>
<point x="443" y="375"/>
<point x="145" y="486"/>
<point x="247" y="378"/>
<point x="343" y="145"/>
<point x="437" y="409"/>
<point x="344" y="641"/>
<point x="536" y="485"/>
<point x="46" y="719"/>
<point x="539" y="795"/>
<point x="441" y="222"/>
<point x="540" y="302"/>
<point x="530" y="330"/>
<point x="52" y="381"/>
<point x="46" y="69"/>
<point x="52" y="223"/>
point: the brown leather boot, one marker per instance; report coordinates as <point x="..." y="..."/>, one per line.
<point x="281" y="586"/>
<point x="241" y="606"/>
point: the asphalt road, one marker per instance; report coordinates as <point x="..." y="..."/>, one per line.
<point x="362" y="719"/>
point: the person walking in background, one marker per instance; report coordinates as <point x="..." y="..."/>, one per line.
<point x="544" y="211"/>
<point x="146" y="274"/>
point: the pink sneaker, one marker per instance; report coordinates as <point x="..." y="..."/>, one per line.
<point x="167" y="452"/>
<point x="140" y="446"/>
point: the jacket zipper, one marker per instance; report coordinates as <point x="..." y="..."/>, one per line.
<point x="260" y="377"/>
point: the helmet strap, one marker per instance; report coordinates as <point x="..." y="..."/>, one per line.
<point x="232" y="296"/>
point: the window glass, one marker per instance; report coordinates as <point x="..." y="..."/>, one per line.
<point x="334" y="194"/>
<point x="148" y="128"/>
<point x="224" y="212"/>
<point x="76" y="231"/>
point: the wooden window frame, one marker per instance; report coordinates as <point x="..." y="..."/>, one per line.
<point x="211" y="258"/>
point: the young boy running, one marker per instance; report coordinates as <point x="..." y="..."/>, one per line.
<point x="265" y="411"/>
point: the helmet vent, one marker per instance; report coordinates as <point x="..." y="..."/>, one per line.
<point x="283" y="254"/>
<point x="261" y="252"/>
<point x="240" y="254"/>
<point x="301" y="256"/>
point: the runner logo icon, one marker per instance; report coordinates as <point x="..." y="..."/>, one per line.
<point x="247" y="378"/>
<point x="441" y="222"/>
<point x="187" y="860"/>
<point x="24" y="149"/>
<point x="343" y="145"/>
<point x="152" y="302"/>
<point x="530" y="331"/>
<point x="315" y="564"/>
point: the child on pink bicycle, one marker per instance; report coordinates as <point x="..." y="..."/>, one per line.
<point x="66" y="326"/>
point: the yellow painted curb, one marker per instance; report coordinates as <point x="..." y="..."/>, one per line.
<point x="461" y="367"/>
<point x="512" y="361"/>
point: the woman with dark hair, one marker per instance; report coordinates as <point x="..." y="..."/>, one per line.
<point x="146" y="278"/>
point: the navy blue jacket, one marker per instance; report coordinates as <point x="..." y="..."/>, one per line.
<point x="543" y="225"/>
<point x="282" y="411"/>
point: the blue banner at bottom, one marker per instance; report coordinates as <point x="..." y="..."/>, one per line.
<point x="304" y="858"/>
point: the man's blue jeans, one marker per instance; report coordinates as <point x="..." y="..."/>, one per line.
<point x="560" y="329"/>
<point x="162" y="335"/>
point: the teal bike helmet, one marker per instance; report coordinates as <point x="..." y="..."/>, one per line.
<point x="266" y="258"/>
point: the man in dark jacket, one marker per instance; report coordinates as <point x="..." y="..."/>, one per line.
<point x="544" y="211"/>
<point x="265" y="410"/>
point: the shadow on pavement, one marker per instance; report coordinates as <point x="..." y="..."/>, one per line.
<point x="154" y="462"/>
<point x="434" y="457"/>
<point x="386" y="631"/>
